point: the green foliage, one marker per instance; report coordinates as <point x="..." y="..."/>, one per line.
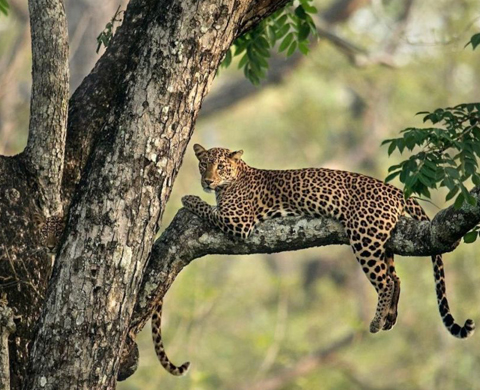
<point x="447" y="158"/>
<point x="471" y="236"/>
<point x="4" y="7"/>
<point x="474" y="41"/>
<point x="289" y="27"/>
<point x="105" y="37"/>
<point x="448" y="155"/>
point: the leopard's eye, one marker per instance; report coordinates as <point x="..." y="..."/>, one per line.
<point x="220" y="166"/>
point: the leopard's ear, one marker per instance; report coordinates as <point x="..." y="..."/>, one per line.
<point x="38" y="218"/>
<point x="236" y="156"/>
<point x="199" y="151"/>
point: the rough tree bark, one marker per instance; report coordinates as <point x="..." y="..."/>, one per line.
<point x="48" y="107"/>
<point x="128" y="126"/>
<point x="30" y="182"/>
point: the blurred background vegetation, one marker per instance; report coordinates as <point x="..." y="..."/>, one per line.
<point x="299" y="320"/>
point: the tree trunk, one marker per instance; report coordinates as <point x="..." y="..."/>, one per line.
<point x="30" y="182"/>
<point x="125" y="169"/>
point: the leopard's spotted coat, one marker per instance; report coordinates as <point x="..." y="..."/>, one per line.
<point x="368" y="208"/>
<point x="50" y="229"/>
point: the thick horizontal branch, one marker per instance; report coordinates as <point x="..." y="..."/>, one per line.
<point x="188" y="238"/>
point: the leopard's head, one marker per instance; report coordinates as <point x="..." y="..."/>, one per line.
<point x="219" y="167"/>
<point x="50" y="230"/>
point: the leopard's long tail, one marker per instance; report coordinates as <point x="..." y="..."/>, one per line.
<point x="158" y="343"/>
<point x="416" y="212"/>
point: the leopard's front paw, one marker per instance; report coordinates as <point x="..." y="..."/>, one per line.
<point x="191" y="202"/>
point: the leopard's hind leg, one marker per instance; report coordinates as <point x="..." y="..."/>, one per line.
<point x="393" y="310"/>
<point x="376" y="271"/>
<point x="367" y="239"/>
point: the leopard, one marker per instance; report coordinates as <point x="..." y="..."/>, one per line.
<point x="367" y="208"/>
<point x="50" y="229"/>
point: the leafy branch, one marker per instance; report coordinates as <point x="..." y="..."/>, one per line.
<point x="105" y="37"/>
<point x="289" y="27"/>
<point x="448" y="154"/>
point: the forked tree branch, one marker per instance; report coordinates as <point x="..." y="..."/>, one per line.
<point x="50" y="89"/>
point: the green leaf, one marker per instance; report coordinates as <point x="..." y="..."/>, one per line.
<point x="425" y="180"/>
<point x="262" y="62"/>
<point x="300" y="12"/>
<point x="424" y="191"/>
<point x="476" y="179"/>
<point x="286" y="42"/>
<point x="474" y="41"/>
<point x="471" y="200"/>
<point x="4" y="6"/>
<point x="282" y="32"/>
<point x="394" y="167"/>
<point x="240" y="47"/>
<point x="411" y="181"/>
<point x="429" y="172"/>
<point x="410" y="142"/>
<point x="303" y="32"/>
<point x="262" y="43"/>
<point x="452" y="172"/>
<point x="303" y="48"/>
<point x="292" y="48"/>
<point x="271" y="35"/>
<point x="451" y="193"/>
<point x="309" y="8"/>
<point x="407" y="192"/>
<point x="243" y="61"/>
<point x="228" y="58"/>
<point x="281" y="20"/>
<point x="459" y="201"/>
<point x="470" y="237"/>
<point x="392" y="147"/>
<point x="392" y="176"/>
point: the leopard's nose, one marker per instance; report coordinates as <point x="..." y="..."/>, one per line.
<point x="208" y="181"/>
